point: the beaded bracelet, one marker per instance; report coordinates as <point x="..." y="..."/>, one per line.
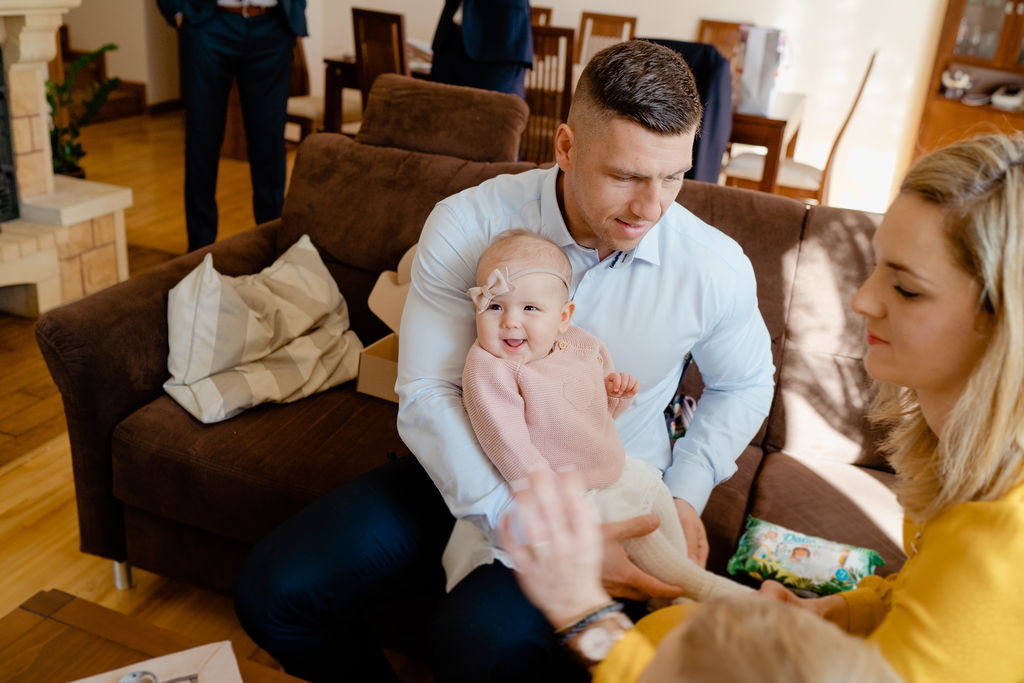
<point x="567" y="633"/>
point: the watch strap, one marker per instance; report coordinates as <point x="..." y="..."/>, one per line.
<point x="573" y="628"/>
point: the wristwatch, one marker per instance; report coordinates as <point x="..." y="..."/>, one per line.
<point x="593" y="643"/>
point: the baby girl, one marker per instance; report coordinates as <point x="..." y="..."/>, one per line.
<point x="543" y="393"/>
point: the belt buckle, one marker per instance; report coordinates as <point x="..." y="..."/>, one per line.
<point x="245" y="11"/>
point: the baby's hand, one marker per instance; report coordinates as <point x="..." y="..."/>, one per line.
<point x="621" y="385"/>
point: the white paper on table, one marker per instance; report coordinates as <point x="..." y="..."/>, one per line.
<point x="214" y="663"/>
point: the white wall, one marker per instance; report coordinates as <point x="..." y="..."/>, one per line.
<point x="829" y="44"/>
<point x="147" y="47"/>
<point x="164" y="82"/>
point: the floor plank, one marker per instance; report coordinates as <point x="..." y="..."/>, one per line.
<point x="38" y="517"/>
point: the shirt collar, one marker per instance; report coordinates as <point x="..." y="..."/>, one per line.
<point x="552" y="226"/>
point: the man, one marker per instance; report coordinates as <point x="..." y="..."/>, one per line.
<point x="483" y="44"/>
<point x="250" y="42"/>
<point x="649" y="279"/>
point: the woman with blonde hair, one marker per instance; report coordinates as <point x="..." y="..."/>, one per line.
<point x="944" y="309"/>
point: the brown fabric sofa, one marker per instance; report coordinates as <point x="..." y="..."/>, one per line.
<point x="163" y="492"/>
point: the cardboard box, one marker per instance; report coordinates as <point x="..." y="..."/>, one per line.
<point x="378" y="362"/>
<point x="378" y="368"/>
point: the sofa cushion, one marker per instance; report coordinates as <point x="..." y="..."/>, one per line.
<point x="360" y="207"/>
<point x="436" y="118"/>
<point x="769" y="229"/>
<point x="839" y="502"/>
<point x="240" y="478"/>
<point x="726" y="510"/>
<point x="824" y="391"/>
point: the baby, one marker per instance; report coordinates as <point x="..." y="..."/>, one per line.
<point x="542" y="393"/>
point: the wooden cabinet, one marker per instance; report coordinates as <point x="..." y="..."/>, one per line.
<point x="988" y="33"/>
<point x="984" y="38"/>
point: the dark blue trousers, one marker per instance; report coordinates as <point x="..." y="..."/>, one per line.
<point x="307" y="590"/>
<point x="257" y="53"/>
<point x="451" y="64"/>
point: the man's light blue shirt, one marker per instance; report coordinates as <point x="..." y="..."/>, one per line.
<point x="685" y="288"/>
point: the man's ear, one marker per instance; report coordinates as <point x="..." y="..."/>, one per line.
<point x="565" y="140"/>
<point x="568" y="308"/>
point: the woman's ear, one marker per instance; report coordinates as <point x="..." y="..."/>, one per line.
<point x="568" y="308"/>
<point x="984" y="323"/>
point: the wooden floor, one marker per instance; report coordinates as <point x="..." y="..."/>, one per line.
<point x="38" y="521"/>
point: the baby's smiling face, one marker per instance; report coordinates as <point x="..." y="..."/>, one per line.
<point x="522" y="325"/>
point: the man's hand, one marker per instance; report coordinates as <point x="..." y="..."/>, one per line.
<point x="696" y="536"/>
<point x="622" y="578"/>
<point x="621" y="385"/>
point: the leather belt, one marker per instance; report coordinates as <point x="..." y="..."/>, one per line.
<point x="248" y="11"/>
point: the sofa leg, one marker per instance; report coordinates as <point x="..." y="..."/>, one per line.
<point x="123" y="579"/>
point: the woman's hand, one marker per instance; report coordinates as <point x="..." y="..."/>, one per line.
<point x="559" y="564"/>
<point x="831" y="607"/>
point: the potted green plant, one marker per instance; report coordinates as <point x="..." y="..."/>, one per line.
<point x="69" y="114"/>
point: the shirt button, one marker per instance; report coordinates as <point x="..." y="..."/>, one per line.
<point x="561" y="345"/>
<point x="600" y="361"/>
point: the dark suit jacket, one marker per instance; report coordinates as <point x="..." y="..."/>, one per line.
<point x="714" y="84"/>
<point x="492" y="30"/>
<point x="197" y="11"/>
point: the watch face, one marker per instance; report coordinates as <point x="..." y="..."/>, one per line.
<point x="596" y="641"/>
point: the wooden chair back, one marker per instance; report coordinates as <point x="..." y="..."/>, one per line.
<point x="842" y="129"/>
<point x="727" y="37"/>
<point x="598" y="31"/>
<point x="548" y="91"/>
<point x="379" y="46"/>
<point x="724" y="35"/>
<point x="540" y="16"/>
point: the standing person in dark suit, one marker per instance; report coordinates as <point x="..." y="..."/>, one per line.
<point x="483" y="44"/>
<point x="249" y="42"/>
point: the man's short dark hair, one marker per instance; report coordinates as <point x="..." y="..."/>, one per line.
<point x="643" y="82"/>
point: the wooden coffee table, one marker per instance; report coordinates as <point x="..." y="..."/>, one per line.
<point x="55" y="637"/>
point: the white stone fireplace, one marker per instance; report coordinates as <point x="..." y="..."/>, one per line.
<point x="70" y="238"/>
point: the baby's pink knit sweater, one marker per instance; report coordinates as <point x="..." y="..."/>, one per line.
<point x="551" y="413"/>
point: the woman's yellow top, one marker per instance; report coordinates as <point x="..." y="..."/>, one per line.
<point x="631" y="655"/>
<point x="955" y="611"/>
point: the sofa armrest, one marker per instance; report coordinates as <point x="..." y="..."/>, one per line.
<point x="107" y="354"/>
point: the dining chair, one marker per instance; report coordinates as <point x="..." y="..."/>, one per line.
<point x="379" y="46"/>
<point x="548" y="91"/>
<point x="726" y="36"/>
<point x="797" y="180"/>
<point x="540" y="16"/>
<point x="305" y="110"/>
<point x="598" y="31"/>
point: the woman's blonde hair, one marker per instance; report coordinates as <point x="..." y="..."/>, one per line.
<point x="979" y="184"/>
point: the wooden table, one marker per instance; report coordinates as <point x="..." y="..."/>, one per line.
<point x="56" y="637"/>
<point x="776" y="131"/>
<point x="339" y="72"/>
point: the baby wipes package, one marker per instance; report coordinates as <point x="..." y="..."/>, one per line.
<point x="811" y="566"/>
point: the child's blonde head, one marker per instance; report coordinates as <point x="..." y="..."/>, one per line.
<point x="761" y="639"/>
<point x="521" y="248"/>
